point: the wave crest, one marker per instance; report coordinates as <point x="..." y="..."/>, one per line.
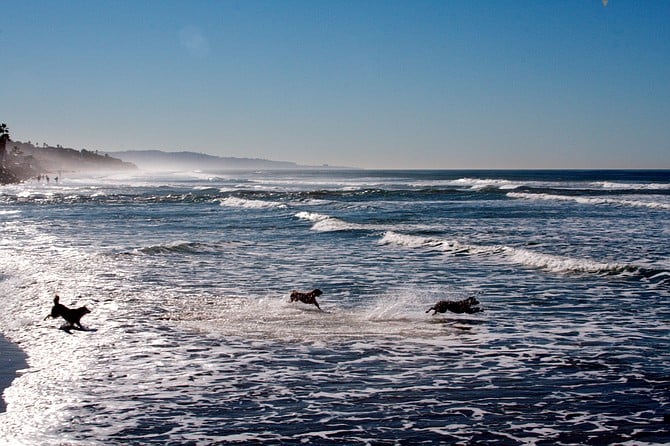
<point x="589" y="200"/>
<point x="250" y="204"/>
<point x="450" y="246"/>
<point x="526" y="257"/>
<point x="326" y="223"/>
<point x="176" y="247"/>
<point x="560" y="264"/>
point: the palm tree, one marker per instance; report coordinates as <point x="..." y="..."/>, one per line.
<point x="4" y="137"/>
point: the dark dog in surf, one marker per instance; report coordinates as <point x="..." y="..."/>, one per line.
<point x="71" y="315"/>
<point x="469" y="305"/>
<point x="307" y="298"/>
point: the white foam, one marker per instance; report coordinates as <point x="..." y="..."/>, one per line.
<point x="445" y="245"/>
<point x="250" y="204"/>
<point x="312" y="216"/>
<point x="630" y="186"/>
<point x="560" y="264"/>
<point x="591" y="200"/>
<point x="554" y="263"/>
<point x="326" y="223"/>
<point x="410" y="241"/>
<point x="399" y="312"/>
<point x="486" y="183"/>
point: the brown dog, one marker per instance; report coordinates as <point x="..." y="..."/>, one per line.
<point x="469" y="305"/>
<point x="307" y="298"/>
<point x="71" y="315"/>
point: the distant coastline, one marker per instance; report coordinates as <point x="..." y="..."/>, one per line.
<point x="25" y="160"/>
<point x="161" y="160"/>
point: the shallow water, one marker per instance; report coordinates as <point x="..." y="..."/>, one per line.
<point x="192" y="340"/>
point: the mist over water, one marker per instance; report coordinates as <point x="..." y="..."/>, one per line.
<point x="192" y="340"/>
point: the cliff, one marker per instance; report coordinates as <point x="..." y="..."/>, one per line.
<point x="25" y="160"/>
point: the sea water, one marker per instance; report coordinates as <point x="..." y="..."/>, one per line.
<point x="192" y="339"/>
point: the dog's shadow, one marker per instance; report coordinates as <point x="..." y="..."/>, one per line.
<point x="68" y="328"/>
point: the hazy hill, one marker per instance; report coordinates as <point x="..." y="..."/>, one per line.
<point x="159" y="160"/>
<point x="24" y="160"/>
<point x="49" y="158"/>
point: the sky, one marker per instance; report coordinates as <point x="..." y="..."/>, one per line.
<point x="450" y="84"/>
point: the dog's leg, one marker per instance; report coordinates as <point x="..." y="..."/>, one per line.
<point x="317" y="305"/>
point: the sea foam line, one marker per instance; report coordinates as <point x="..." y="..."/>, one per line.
<point x="589" y="200"/>
<point x="631" y="186"/>
<point x="521" y="256"/>
<point x="250" y="204"/>
<point x="487" y="183"/>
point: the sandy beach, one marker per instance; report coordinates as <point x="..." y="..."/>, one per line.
<point x="12" y="359"/>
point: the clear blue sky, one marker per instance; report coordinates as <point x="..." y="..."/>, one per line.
<point x="373" y="84"/>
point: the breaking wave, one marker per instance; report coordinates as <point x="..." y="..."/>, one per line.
<point x="326" y="223"/>
<point x="589" y="200"/>
<point x="250" y="204"/>
<point x="176" y="247"/>
<point x="417" y="241"/>
<point x="527" y="257"/>
<point x="486" y="183"/>
<point x="631" y="186"/>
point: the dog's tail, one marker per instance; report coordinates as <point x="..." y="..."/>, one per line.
<point x="56" y="298"/>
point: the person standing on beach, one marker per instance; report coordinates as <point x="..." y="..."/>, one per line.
<point x="4" y="137"/>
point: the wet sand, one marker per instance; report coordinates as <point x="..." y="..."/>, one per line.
<point x="12" y="359"/>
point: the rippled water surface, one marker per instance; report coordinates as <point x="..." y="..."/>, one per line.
<point x="191" y="338"/>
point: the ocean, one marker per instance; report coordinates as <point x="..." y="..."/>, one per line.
<point x="192" y="340"/>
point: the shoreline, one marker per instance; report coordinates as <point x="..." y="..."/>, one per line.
<point x="12" y="359"/>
